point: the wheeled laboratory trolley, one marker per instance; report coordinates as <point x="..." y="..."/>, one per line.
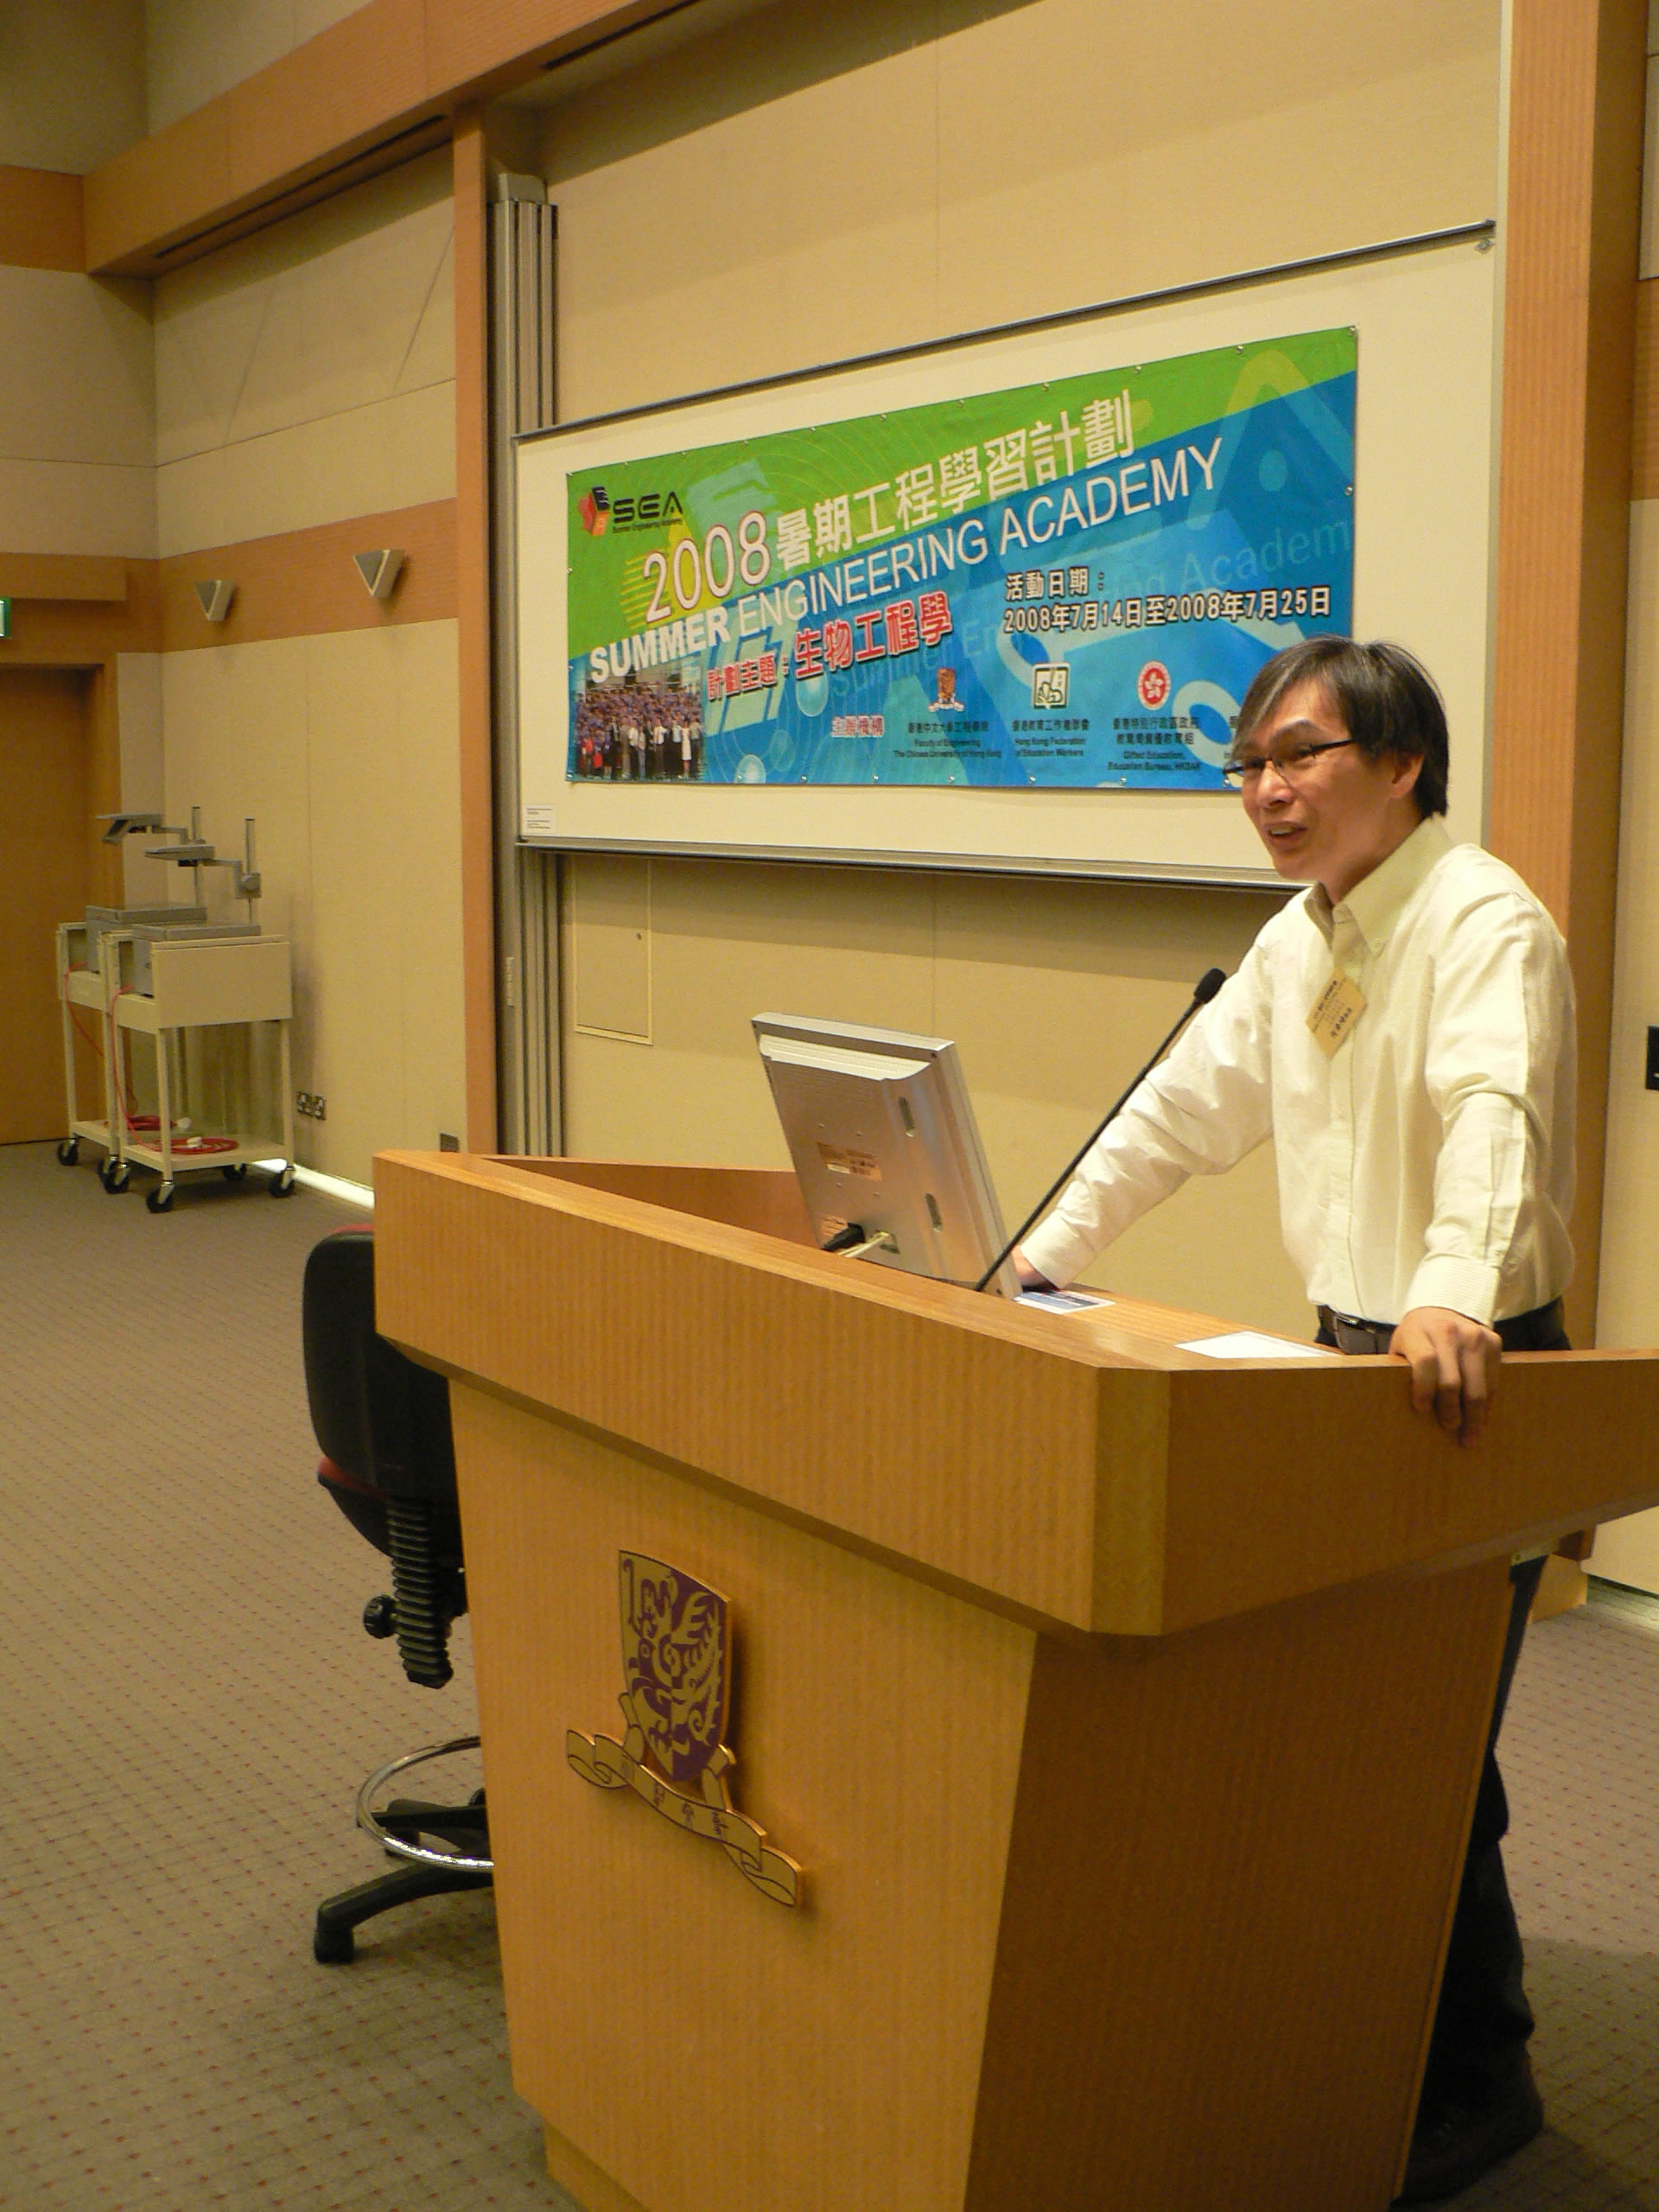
<point x="82" y="984"/>
<point x="165" y="985"/>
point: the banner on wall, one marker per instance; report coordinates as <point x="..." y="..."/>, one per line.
<point x="1070" y="583"/>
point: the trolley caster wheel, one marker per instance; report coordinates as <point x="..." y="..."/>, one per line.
<point x="114" y="1175"/>
<point x="68" y="1152"/>
<point x="281" y="1186"/>
<point x="333" y="1946"/>
<point x="237" y="1174"/>
<point x="160" y="1199"/>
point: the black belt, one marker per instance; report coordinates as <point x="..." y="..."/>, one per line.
<point x="1534" y="1331"/>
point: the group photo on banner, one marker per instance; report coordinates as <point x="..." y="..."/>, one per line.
<point x="1068" y="583"/>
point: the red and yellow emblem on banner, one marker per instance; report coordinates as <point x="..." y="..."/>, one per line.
<point x="676" y="1662"/>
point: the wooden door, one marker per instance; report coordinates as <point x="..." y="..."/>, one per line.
<point x="45" y="862"/>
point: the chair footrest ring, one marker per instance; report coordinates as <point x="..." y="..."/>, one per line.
<point x="369" y="1821"/>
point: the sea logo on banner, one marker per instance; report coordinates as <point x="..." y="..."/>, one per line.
<point x="594" y="510"/>
<point x="677" y="1663"/>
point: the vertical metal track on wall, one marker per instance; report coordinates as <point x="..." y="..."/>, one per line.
<point x="523" y="237"/>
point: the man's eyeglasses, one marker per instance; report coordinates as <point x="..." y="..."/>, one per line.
<point x="1292" y="764"/>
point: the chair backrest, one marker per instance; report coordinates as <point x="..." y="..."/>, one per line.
<point x="377" y="1416"/>
<point x="376" y="1412"/>
<point x="389" y="1455"/>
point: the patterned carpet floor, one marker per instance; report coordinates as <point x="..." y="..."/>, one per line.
<point x="190" y="1704"/>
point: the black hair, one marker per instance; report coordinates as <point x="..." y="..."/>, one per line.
<point x="1386" y="699"/>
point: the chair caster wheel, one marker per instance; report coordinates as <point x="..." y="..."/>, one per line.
<point x="68" y="1152"/>
<point x="333" y="1946"/>
<point x="160" y="1199"/>
<point x="238" y="1173"/>
<point x="114" y="1175"/>
<point x="280" y="1186"/>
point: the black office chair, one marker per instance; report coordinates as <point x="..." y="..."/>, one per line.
<point x="388" y="1464"/>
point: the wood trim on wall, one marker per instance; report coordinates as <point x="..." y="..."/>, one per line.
<point x="1577" y="90"/>
<point x="472" y="611"/>
<point x="41" y="220"/>
<point x="357" y="95"/>
<point x="303" y="583"/>
<point x="71" y="628"/>
<point x="63" y="575"/>
<point x="77" y="611"/>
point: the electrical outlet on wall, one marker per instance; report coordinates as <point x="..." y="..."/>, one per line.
<point x="309" y="1101"/>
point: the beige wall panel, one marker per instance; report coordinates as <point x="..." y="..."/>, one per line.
<point x="316" y="313"/>
<point x="398" y="452"/>
<point x="1420" y="155"/>
<point x="355" y="957"/>
<point x="195" y="50"/>
<point x="307" y="374"/>
<point x="610" y="939"/>
<point x="384" y="950"/>
<point x="1628" y="1551"/>
<point x="73" y="506"/>
<point x="72" y="83"/>
<point x="1056" y="993"/>
<point x="425" y="912"/>
<point x="76" y="381"/>
<point x="344" y="749"/>
<point x="729" y="941"/>
<point x="205" y="340"/>
<point x="763" y="279"/>
<point x="235" y="723"/>
<point x="394" y="453"/>
<point x="931" y="190"/>
<point x="192" y="507"/>
<point x="1628" y="1307"/>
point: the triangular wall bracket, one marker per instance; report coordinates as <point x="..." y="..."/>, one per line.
<point x="380" y="569"/>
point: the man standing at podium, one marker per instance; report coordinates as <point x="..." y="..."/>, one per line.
<point x="1404" y="1032"/>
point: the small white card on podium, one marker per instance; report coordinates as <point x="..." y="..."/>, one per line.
<point x="1060" y="1301"/>
<point x="1249" y="1343"/>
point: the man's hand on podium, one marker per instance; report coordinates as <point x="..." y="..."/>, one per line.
<point x="1029" y="1278"/>
<point x="1454" y="1363"/>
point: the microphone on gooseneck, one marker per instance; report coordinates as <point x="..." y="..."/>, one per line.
<point x="1203" y="991"/>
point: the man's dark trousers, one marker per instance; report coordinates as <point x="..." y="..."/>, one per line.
<point x="1484" y="2020"/>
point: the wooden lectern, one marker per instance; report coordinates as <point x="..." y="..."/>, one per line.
<point x="1122" y="1707"/>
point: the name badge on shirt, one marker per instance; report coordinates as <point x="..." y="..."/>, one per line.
<point x="1334" y="1013"/>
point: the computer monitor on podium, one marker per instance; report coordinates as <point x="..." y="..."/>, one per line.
<point x="883" y="1139"/>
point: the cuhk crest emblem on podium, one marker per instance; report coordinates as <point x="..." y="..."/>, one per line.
<point x="677" y="1666"/>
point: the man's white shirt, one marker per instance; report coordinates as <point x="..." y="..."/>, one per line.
<point x="1429" y="1161"/>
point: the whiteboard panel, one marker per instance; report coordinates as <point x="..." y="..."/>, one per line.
<point x="1423" y="574"/>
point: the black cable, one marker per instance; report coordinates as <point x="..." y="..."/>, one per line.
<point x="1204" y="991"/>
